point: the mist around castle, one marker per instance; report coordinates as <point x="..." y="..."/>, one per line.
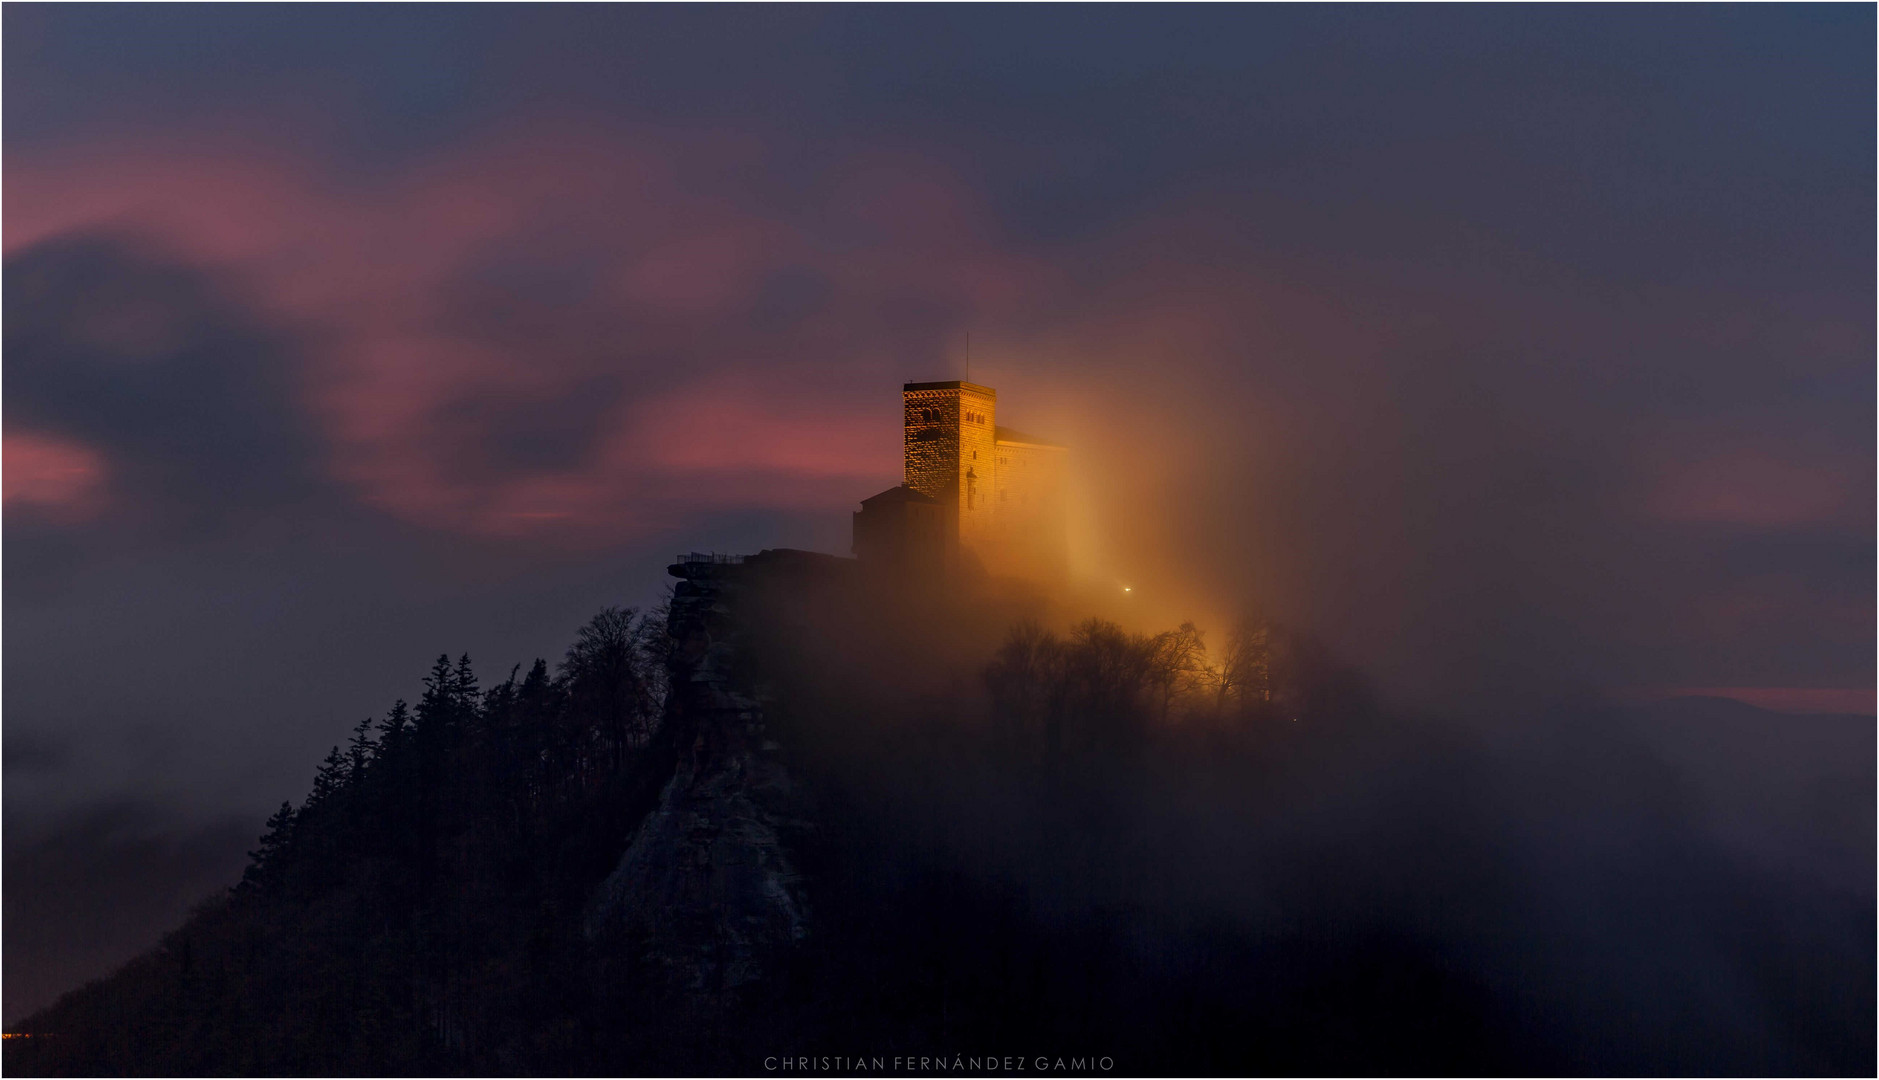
<point x="597" y="540"/>
<point x="922" y="809"/>
<point x="732" y="824"/>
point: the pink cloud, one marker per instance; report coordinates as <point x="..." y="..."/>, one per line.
<point x="52" y="477"/>
<point x="396" y="287"/>
<point x="739" y="424"/>
<point x="705" y="272"/>
<point x="1753" y="487"/>
<point x="1783" y="699"/>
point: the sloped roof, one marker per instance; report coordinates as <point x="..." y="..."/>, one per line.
<point x="1010" y="435"/>
<point x="903" y="493"/>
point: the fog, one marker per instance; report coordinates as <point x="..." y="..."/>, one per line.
<point x="1330" y="881"/>
<point x="1523" y="360"/>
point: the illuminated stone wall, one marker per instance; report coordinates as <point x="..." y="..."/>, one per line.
<point x="1031" y="509"/>
<point x="949" y="446"/>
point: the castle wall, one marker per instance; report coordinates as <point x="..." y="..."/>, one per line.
<point x="1030" y="504"/>
<point x="907" y="536"/>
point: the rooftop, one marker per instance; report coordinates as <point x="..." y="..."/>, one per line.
<point x="903" y="493"/>
<point x="956" y="384"/>
<point x="1011" y="435"/>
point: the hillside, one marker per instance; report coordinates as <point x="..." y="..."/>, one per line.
<point x="799" y="814"/>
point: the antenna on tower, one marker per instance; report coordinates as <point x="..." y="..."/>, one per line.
<point x="968" y="356"/>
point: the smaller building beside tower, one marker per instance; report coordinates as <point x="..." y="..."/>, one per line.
<point x="901" y="528"/>
<point x="974" y="492"/>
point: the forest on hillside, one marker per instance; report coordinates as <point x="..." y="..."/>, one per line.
<point x="1087" y="843"/>
<point x="412" y="911"/>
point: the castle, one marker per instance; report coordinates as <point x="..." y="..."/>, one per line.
<point x="974" y="493"/>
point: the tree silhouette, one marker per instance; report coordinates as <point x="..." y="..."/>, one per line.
<point x="263" y="862"/>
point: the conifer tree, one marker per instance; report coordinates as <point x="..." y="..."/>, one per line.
<point x="359" y="749"/>
<point x="535" y="683"/>
<point x="263" y="862"/>
<point x="437" y="707"/>
<point x="463" y="688"/>
<point x="393" y="729"/>
<point x="500" y="697"/>
<point x="329" y="780"/>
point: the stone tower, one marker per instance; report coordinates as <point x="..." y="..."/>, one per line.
<point x="951" y="452"/>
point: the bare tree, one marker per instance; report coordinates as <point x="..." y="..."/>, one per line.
<point x="611" y="669"/>
<point x="1024" y="678"/>
<point x="1177" y="664"/>
<point x="1246" y="666"/>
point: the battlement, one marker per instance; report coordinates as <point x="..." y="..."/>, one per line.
<point x="956" y="384"/>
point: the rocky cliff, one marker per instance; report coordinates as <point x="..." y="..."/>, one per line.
<point x="707" y="890"/>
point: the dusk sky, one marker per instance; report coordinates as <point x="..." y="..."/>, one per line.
<point x="1503" y="347"/>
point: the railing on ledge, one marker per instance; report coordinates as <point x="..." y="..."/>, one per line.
<point x="710" y="557"/>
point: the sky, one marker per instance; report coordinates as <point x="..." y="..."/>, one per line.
<point x="1509" y="349"/>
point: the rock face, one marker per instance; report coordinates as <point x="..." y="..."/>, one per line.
<point x="706" y="889"/>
